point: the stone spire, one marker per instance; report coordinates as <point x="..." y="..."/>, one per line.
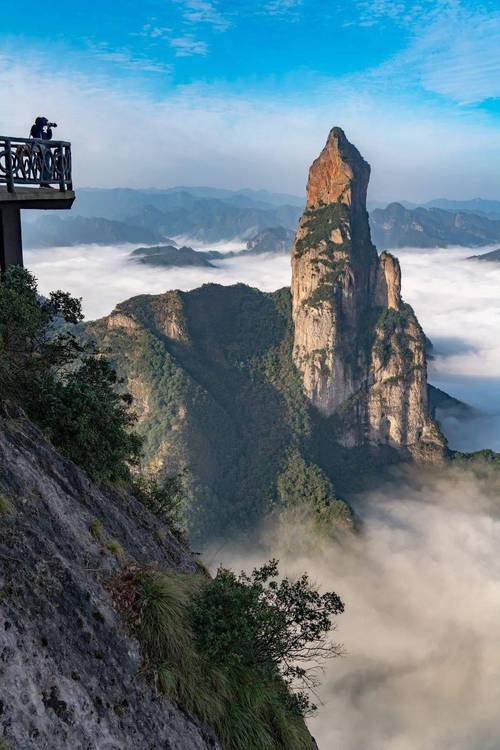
<point x="359" y="349"/>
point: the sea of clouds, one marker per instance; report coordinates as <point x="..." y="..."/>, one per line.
<point x="421" y="587"/>
<point x="457" y="302"/>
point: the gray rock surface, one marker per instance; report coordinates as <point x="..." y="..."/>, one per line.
<point x="70" y="675"/>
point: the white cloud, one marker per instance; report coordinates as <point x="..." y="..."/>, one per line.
<point x="454" y="49"/>
<point x="152" y="31"/>
<point x="461" y="57"/>
<point x="104" y="276"/>
<point x="203" y="135"/>
<point x="282" y="8"/>
<point x="205" y="12"/>
<point x="186" y="46"/>
<point x="458" y="306"/>
<point x="125" y="60"/>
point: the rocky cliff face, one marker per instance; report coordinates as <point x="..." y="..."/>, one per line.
<point x="358" y="347"/>
<point x="70" y="675"/>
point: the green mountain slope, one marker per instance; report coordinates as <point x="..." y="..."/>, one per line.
<point x="216" y="391"/>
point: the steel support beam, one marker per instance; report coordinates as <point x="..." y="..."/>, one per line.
<point x="11" y="243"/>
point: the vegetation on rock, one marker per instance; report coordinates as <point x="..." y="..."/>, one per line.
<point x="66" y="388"/>
<point x="320" y="224"/>
<point x="232" y="649"/>
<point x="305" y="488"/>
<point x="225" y="400"/>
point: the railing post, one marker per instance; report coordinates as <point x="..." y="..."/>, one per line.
<point x="8" y="166"/>
<point x="60" y="164"/>
<point x="68" y="166"/>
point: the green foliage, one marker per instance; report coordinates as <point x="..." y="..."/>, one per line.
<point x="96" y="530"/>
<point x="116" y="549"/>
<point x="6" y="507"/>
<point x="227" y="402"/>
<point x="196" y="638"/>
<point x="391" y="333"/>
<point x="481" y="462"/>
<point x="278" y="369"/>
<point x="255" y="622"/>
<point x="29" y="346"/>
<point x="89" y="421"/>
<point x="166" y="498"/>
<point x="325" y="291"/>
<point x="66" y="388"/>
<point x="320" y="224"/>
<point x="304" y="487"/>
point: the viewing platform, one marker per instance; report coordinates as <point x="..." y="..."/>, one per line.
<point x="34" y="174"/>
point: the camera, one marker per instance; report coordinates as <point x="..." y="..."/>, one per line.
<point x="52" y="124"/>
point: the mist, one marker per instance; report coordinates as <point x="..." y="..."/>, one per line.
<point x="421" y="585"/>
<point x="104" y="275"/>
<point x="457" y="302"/>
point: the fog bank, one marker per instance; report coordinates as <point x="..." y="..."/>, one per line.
<point x="104" y="276"/>
<point x="421" y="583"/>
<point x="457" y="302"/>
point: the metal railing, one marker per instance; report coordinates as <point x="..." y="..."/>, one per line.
<point x="29" y="161"/>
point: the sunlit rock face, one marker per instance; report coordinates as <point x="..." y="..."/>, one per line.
<point x="359" y="348"/>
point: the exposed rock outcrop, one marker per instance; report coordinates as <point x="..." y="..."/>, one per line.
<point x="70" y="675"/>
<point x="359" y="348"/>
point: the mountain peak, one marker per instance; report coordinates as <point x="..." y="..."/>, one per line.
<point x="359" y="350"/>
<point x="339" y="174"/>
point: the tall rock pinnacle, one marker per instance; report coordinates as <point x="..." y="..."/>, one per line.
<point x="358" y="347"/>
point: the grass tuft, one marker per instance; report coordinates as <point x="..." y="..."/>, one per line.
<point x="116" y="549"/>
<point x="245" y="708"/>
<point x="6" y="510"/>
<point x="96" y="530"/>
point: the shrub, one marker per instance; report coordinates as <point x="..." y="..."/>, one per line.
<point x="166" y="498"/>
<point x="196" y="637"/>
<point x="116" y="549"/>
<point x="254" y="622"/>
<point x="96" y="530"/>
<point x="89" y="421"/>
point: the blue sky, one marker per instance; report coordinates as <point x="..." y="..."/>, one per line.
<point x="244" y="93"/>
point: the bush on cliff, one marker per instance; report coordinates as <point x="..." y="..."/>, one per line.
<point x="65" y="387"/>
<point x="227" y="650"/>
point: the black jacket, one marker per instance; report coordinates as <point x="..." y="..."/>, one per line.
<point x="37" y="130"/>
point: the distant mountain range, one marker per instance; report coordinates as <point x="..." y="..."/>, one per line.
<point x="53" y="231"/>
<point x="273" y="240"/>
<point x="489" y="208"/>
<point x="476" y="206"/>
<point x="207" y="215"/>
<point x="397" y="226"/>
<point x="491" y="257"/>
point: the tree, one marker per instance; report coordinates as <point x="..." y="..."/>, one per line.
<point x="275" y="627"/>
<point x="30" y="348"/>
<point x="65" y="386"/>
